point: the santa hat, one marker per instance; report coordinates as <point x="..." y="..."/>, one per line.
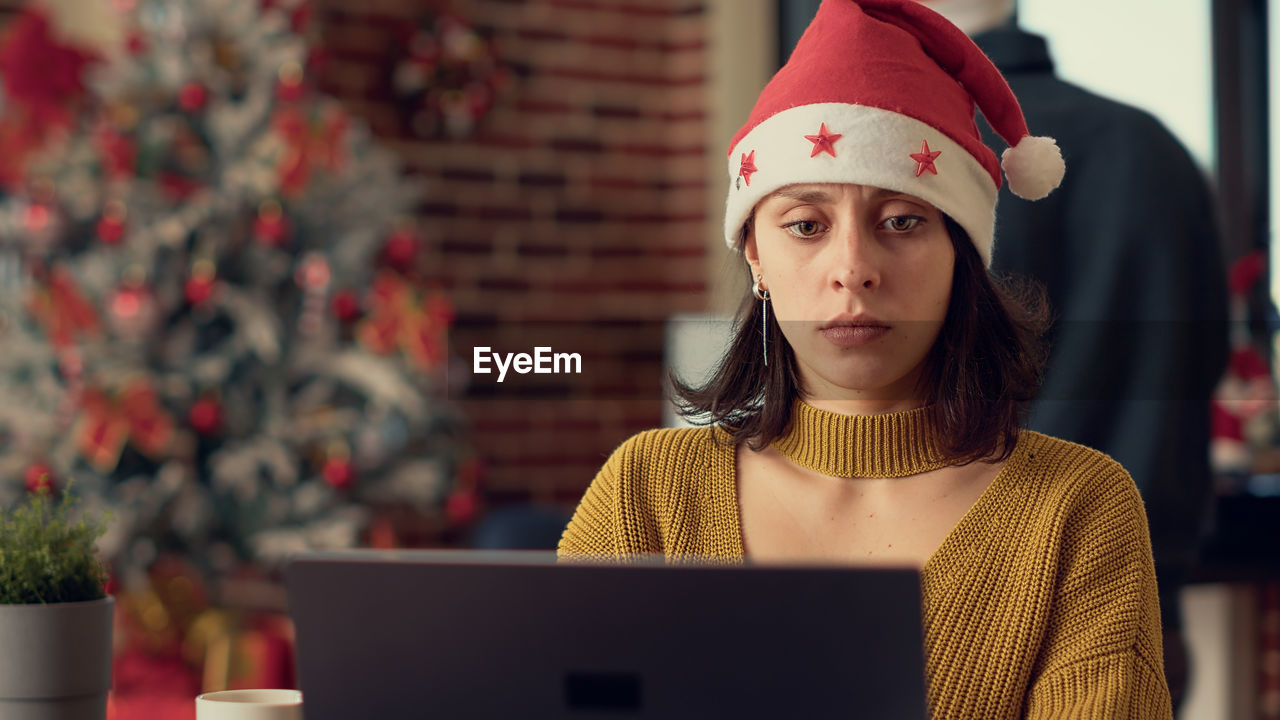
<point x="882" y="93"/>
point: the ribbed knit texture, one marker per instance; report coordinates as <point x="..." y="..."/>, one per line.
<point x="872" y="446"/>
<point x="1040" y="603"/>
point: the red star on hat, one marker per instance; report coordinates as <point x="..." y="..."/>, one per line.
<point x="925" y="159"/>
<point x="747" y="167"/>
<point x="823" y="142"/>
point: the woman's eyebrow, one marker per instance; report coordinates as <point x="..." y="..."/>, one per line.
<point x="807" y="196"/>
<point x="883" y="194"/>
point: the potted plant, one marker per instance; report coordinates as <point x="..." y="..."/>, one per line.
<point x="55" y="614"/>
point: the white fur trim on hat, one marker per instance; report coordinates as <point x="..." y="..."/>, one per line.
<point x="875" y="149"/>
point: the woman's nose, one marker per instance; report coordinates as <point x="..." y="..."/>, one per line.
<point x="857" y="263"/>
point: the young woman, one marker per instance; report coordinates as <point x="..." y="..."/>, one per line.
<point x="868" y="408"/>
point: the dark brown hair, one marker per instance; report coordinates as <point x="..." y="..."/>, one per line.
<point x="981" y="373"/>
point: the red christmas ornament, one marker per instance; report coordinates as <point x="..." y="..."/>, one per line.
<point x="200" y="288"/>
<point x="38" y="476"/>
<point x="192" y="97"/>
<point x="270" y="227"/>
<point x="270" y="231"/>
<point x="289" y="92"/>
<point x="36" y="217"/>
<point x="202" y="283"/>
<point x="206" y="416"/>
<point x="134" y="310"/>
<point x="401" y="249"/>
<point x="462" y="506"/>
<point x="346" y="307"/>
<point x="111" y="230"/>
<point x="136" y="44"/>
<point x="126" y="303"/>
<point x="111" y="225"/>
<point x="338" y="473"/>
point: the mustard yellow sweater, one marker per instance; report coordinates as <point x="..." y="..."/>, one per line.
<point x="1040" y="603"/>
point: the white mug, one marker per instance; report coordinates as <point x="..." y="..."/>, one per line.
<point x="250" y="705"/>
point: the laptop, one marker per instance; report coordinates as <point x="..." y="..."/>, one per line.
<point x="491" y="635"/>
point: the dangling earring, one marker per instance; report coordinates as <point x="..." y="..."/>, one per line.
<point x="763" y="296"/>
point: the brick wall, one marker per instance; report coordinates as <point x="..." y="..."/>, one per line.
<point x="575" y="217"/>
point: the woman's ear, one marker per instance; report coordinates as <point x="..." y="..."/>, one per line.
<point x="749" y="249"/>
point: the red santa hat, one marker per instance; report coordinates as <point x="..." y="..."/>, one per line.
<point x="882" y="93"/>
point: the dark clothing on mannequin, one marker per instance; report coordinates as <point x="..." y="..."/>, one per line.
<point x="1127" y="248"/>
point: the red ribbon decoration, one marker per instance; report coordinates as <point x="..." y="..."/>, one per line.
<point x="309" y="144"/>
<point x="132" y="416"/>
<point x="399" y="317"/>
<point x="62" y="309"/>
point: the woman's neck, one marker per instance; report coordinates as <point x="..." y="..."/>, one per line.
<point x="899" y="396"/>
<point x="865" y="406"/>
<point x="875" y="445"/>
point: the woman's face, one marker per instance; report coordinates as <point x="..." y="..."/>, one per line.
<point x="859" y="280"/>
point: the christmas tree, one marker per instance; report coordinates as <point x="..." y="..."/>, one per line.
<point x="209" y="311"/>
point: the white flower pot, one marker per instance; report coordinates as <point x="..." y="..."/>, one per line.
<point x="55" y="660"/>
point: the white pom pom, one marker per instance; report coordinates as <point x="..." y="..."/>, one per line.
<point x="1034" y="167"/>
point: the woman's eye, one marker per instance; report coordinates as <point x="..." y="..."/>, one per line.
<point x="902" y="223"/>
<point x="805" y="228"/>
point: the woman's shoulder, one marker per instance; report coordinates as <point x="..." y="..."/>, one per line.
<point x="672" y="447"/>
<point x="1055" y="450"/>
<point x="654" y="466"/>
<point x="1063" y="467"/>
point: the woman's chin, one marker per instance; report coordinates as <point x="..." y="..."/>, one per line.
<point x="879" y="390"/>
<point x="862" y="379"/>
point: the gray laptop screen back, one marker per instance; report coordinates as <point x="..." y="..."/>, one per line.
<point x="461" y="635"/>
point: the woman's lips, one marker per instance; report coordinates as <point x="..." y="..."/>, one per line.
<point x="854" y="335"/>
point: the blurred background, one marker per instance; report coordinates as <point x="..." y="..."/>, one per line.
<point x="249" y="250"/>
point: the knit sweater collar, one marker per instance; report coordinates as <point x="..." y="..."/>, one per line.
<point x="862" y="446"/>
